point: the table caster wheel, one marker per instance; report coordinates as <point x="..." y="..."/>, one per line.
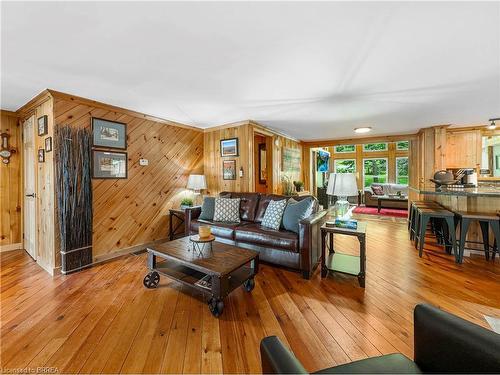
<point x="151" y="280"/>
<point x="249" y="285"/>
<point x="216" y="307"/>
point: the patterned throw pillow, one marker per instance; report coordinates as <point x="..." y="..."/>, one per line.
<point x="273" y="214"/>
<point x="378" y="190"/>
<point x="227" y="210"/>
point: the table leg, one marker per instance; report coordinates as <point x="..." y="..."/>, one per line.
<point x="171" y="228"/>
<point x="151" y="261"/>
<point x="331" y="249"/>
<point x="379" y="205"/>
<point x="324" y="270"/>
<point x="362" y="260"/>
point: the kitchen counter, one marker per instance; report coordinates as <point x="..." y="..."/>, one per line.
<point x="480" y="191"/>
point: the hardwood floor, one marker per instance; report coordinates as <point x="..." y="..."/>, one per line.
<point x="102" y="320"/>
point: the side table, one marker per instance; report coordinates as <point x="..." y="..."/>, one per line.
<point x="174" y="231"/>
<point x="344" y="263"/>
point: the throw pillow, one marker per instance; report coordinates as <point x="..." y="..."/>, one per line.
<point x="295" y="212"/>
<point x="227" y="210"/>
<point x="273" y="214"/>
<point x="377" y="190"/>
<point x="207" y="208"/>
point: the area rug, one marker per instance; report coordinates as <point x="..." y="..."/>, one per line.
<point x="383" y="211"/>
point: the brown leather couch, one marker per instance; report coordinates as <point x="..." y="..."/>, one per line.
<point x="300" y="251"/>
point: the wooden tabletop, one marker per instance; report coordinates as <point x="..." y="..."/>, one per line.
<point x="223" y="259"/>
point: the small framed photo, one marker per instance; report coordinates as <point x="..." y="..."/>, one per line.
<point x="109" y="134"/>
<point x="109" y="164"/>
<point x="229" y="147"/>
<point x="41" y="155"/>
<point x="229" y="169"/>
<point x="48" y="144"/>
<point x="43" y="125"/>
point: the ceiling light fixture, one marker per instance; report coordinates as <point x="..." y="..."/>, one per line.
<point x="364" y="129"/>
<point x="492" y="126"/>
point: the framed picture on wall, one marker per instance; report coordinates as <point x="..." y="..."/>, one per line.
<point x="109" y="134"/>
<point x="41" y="155"/>
<point x="43" y="125"/>
<point x="229" y="169"/>
<point x="109" y="164"/>
<point x="48" y="144"/>
<point x="229" y="147"/>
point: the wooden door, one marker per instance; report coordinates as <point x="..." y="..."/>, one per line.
<point x="29" y="216"/>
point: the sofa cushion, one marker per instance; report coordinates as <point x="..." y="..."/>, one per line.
<point x="227" y="210"/>
<point x="263" y="203"/>
<point x="207" y="208"/>
<point x="295" y="212"/>
<point x="274" y="214"/>
<point x="385" y="364"/>
<point x="248" y="204"/>
<point x="222" y="230"/>
<point x="258" y="235"/>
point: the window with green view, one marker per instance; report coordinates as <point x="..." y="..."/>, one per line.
<point x="402" y="145"/>
<point x="375" y="147"/>
<point x="345" y="166"/>
<point x="374" y="171"/>
<point x="402" y="174"/>
<point x="345" y="148"/>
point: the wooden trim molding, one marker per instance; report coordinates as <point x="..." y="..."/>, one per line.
<point x="10" y="247"/>
<point x="346" y="141"/>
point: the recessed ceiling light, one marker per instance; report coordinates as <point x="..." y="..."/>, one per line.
<point x="364" y="129"/>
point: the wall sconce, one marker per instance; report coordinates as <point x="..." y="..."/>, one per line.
<point x="492" y="126"/>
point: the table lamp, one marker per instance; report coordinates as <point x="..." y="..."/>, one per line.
<point x="342" y="185"/>
<point x="196" y="182"/>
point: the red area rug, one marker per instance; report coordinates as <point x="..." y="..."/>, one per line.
<point x="383" y="211"/>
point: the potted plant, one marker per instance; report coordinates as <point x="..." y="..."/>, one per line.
<point x="299" y="186"/>
<point x="186" y="203"/>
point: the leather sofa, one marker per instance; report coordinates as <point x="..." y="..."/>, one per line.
<point x="443" y="343"/>
<point x="300" y="251"/>
<point x="371" y="199"/>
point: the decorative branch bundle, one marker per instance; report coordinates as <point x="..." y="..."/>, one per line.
<point x="74" y="196"/>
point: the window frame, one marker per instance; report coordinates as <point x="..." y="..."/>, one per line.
<point x="402" y="149"/>
<point x="386" y="169"/>
<point x="396" y="166"/>
<point x="344" y="152"/>
<point x="335" y="164"/>
<point x="375" y="143"/>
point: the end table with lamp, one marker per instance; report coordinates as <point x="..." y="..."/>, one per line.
<point x="197" y="183"/>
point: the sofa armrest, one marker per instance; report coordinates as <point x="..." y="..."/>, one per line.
<point x="447" y="343"/>
<point x="310" y="242"/>
<point x="191" y="213"/>
<point x="277" y="359"/>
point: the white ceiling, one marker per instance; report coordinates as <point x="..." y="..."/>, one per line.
<point x="311" y="70"/>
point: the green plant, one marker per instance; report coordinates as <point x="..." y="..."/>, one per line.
<point x="299" y="185"/>
<point x="187" y="202"/>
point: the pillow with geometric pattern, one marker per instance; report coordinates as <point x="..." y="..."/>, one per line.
<point x="378" y="189"/>
<point x="274" y="214"/>
<point x="227" y="210"/>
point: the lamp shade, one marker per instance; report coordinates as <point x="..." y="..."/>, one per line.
<point x="342" y="185"/>
<point x="196" y="182"/>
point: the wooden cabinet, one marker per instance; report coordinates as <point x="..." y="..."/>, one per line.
<point x="463" y="149"/>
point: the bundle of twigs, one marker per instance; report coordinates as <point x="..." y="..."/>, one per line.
<point x="74" y="196"/>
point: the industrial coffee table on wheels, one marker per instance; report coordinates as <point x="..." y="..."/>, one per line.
<point x="216" y="272"/>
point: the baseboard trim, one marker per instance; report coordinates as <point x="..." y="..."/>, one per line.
<point x="122" y="252"/>
<point x="10" y="247"/>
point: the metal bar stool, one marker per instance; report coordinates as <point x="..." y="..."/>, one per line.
<point x="441" y="214"/>
<point x="486" y="221"/>
<point x="413" y="215"/>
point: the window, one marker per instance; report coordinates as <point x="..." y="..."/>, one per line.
<point x="402" y="171"/>
<point x="345" y="166"/>
<point x="374" y="171"/>
<point x="344" y="148"/>
<point x="369" y="147"/>
<point x="403" y="145"/>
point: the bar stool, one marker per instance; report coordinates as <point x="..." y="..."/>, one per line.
<point x="486" y="221"/>
<point x="413" y="215"/>
<point x="427" y="214"/>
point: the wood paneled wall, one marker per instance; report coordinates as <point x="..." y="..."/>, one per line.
<point x="245" y="133"/>
<point x="129" y="213"/>
<point x="10" y="185"/>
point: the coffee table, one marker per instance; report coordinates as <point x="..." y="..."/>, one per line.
<point x="386" y="198"/>
<point x="225" y="267"/>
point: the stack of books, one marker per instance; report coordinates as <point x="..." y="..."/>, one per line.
<point x="341" y="223"/>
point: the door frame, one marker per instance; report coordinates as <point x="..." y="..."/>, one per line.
<point x="33" y="116"/>
<point x="269" y="137"/>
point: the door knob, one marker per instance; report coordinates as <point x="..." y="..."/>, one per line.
<point x="31" y="195"/>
